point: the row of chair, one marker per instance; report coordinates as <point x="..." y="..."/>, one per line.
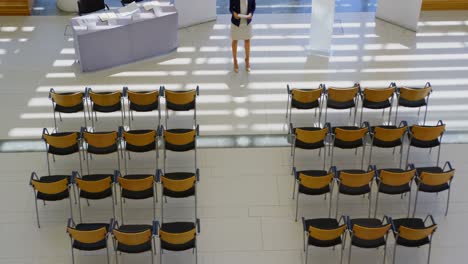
<point x="92" y="102"/>
<point x="368" y="233"/>
<point x="175" y="236"/>
<point x="102" y="186"/>
<point x="354" y="137"/>
<point x="349" y="98"/>
<point x="103" y="143"/>
<point x="392" y="181"/>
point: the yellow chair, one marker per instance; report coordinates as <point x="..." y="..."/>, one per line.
<point x="434" y="180"/>
<point x="369" y="233"/>
<point x="179" y="236"/>
<point x="342" y="98"/>
<point x="413" y="98"/>
<point x="134" y="239"/>
<point x="88" y="237"/>
<point x="378" y="99"/>
<point x="179" y="140"/>
<point x="349" y="137"/>
<point x="324" y="232"/>
<point x="426" y="137"/>
<point x="50" y="188"/>
<point x="143" y="101"/>
<point x="139" y="141"/>
<point x="413" y="232"/>
<point x="105" y="102"/>
<point x="388" y="137"/>
<point x="100" y="143"/>
<point x="67" y="103"/>
<point x="181" y="101"/>
<point x="304" y="99"/>
<point x="62" y="144"/>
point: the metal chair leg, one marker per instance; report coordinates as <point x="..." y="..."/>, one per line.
<point x="385" y="252"/>
<point x="416" y="202"/>
<point x="37" y="210"/>
<point x="48" y="163"/>
<point x="407" y="155"/>
<point x="349" y="252"/>
<point x="394" y="253"/>
<point x="409" y="203"/>
<point x="121" y="208"/>
<point x="448" y="201"/>
<point x="306" y="253"/>
<point x="79" y="210"/>
<point x="396" y="113"/>
<point x="370" y="203"/>
<point x="107" y="253"/>
<point x="425" y="115"/>
<point x="297" y="205"/>
<point x="363" y="154"/>
<point x="72" y="253"/>
<point x="429" y="254"/>
<point x="337" y="202"/>
<point x="438" y="155"/>
<point x="376" y="204"/>
<point x="324" y="157"/>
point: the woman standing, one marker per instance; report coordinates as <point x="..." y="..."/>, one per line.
<point x="241" y="28"/>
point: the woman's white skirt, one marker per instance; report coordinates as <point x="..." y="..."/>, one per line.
<point x="241" y="32"/>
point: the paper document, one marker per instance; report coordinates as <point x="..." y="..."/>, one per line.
<point x="129" y="9"/>
<point x="107" y="16"/>
<point x="157" y="11"/>
<point x="151" y="5"/>
<point x="243" y="16"/>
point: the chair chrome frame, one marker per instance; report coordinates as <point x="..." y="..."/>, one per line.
<point x="403" y="123"/>
<point x="60" y="113"/>
<point x="90" y="155"/>
<point x="79" y="142"/>
<point x="356" y="102"/>
<point x="428" y="84"/>
<point x="90" y="106"/>
<point x="130" y="112"/>
<point x="363" y="98"/>
<point x="439" y="123"/>
<point x="364" y="138"/>
<point x="166" y="116"/>
<point x="161" y="135"/>
<point x="195" y="249"/>
<point x="126" y="153"/>
<point x="289" y="104"/>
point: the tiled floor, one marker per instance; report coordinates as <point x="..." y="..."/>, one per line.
<point x="245" y="208"/>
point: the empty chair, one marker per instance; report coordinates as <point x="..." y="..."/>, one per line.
<point x="354" y="182"/>
<point x="134" y="239"/>
<point x="126" y="2"/>
<point x="143" y="101"/>
<point x="349" y="137"/>
<point x="413" y="232"/>
<point x="101" y="143"/>
<point x="105" y="102"/>
<point x="178" y="185"/>
<point x="369" y="233"/>
<point x="313" y="182"/>
<point x="90" y="6"/>
<point x="136" y="187"/>
<point x="304" y="99"/>
<point x="88" y="237"/>
<point x="341" y="99"/>
<point x="324" y="232"/>
<point x="426" y="137"/>
<point x="413" y="98"/>
<point x="50" y="188"/>
<point x="179" y="140"/>
<point x="388" y="137"/>
<point x="181" y="101"/>
<point x="378" y="99"/>
<point x="94" y="187"/>
<point x="434" y="180"/>
<point x="62" y="144"/>
<point x="309" y="138"/>
<point x="179" y="236"/>
<point x="67" y="103"/>
<point x="139" y="141"/>
<point x="394" y="182"/>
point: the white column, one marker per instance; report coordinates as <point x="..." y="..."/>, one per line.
<point x="321" y="26"/>
<point x="403" y="13"/>
<point x="195" y="12"/>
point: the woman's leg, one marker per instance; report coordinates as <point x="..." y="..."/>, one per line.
<point x="234" y="54"/>
<point x="247" y="54"/>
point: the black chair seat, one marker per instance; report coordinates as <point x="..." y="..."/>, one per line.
<point x="303" y="145"/>
<point x="134" y="248"/>
<point x="304" y="106"/>
<point x="99" y="195"/>
<point x="146" y="148"/>
<point x="69" y="109"/>
<point x="101" y="151"/>
<point x="179" y="176"/>
<point x="180" y="148"/>
<point x="376" y="105"/>
<point x="407" y="103"/>
<point x="53" y="197"/>
<point x="144" y="108"/>
<point x="424" y="144"/>
<point x="89" y="6"/>
<point x="347" y="144"/>
<point x="314" y="173"/>
<point x="322" y="223"/>
<point x="340" y="105"/>
<point x="354" y="190"/>
<point x="415" y="223"/>
<point x="388" y="189"/>
<point x="183" y="107"/>
<point x="63" y="151"/>
<point x="137" y="195"/>
<point x="367" y="222"/>
<point x="107" y="109"/>
<point x="432" y="188"/>
<point x="177" y="227"/>
<point x="90" y="246"/>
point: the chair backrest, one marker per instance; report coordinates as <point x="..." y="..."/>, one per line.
<point x="414" y="94"/>
<point x="143" y="98"/>
<point x="396" y="178"/>
<point x="311" y="136"/>
<point x="178" y="185"/>
<point x="427" y="133"/>
<point x="434" y="179"/>
<point x="87" y="236"/>
<point x="314" y="182"/>
<point x="61" y="141"/>
<point x="306" y="96"/>
<point x="50" y="187"/>
<point x="378" y="95"/>
<point x="416" y="234"/>
<point x="101" y="139"/>
<point x="136" y="185"/>
<point x="180" y="138"/>
<point x="342" y="94"/>
<point x="89" y="6"/>
<point x="350" y="134"/>
<point x="180" y="97"/>
<point x="94" y="186"/>
<point x="370" y="233"/>
<point x="140" y="139"/>
<point x="356" y="179"/>
<point x="177" y="238"/>
<point x="389" y="134"/>
<point x="105" y="99"/>
<point x="326" y="234"/>
<point x="132" y="239"/>
<point x="67" y="99"/>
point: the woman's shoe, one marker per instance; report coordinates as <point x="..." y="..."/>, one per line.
<point x="247" y="65"/>
<point x="236" y="67"/>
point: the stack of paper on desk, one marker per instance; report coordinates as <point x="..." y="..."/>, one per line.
<point x="129" y="9"/>
<point x="107" y="16"/>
